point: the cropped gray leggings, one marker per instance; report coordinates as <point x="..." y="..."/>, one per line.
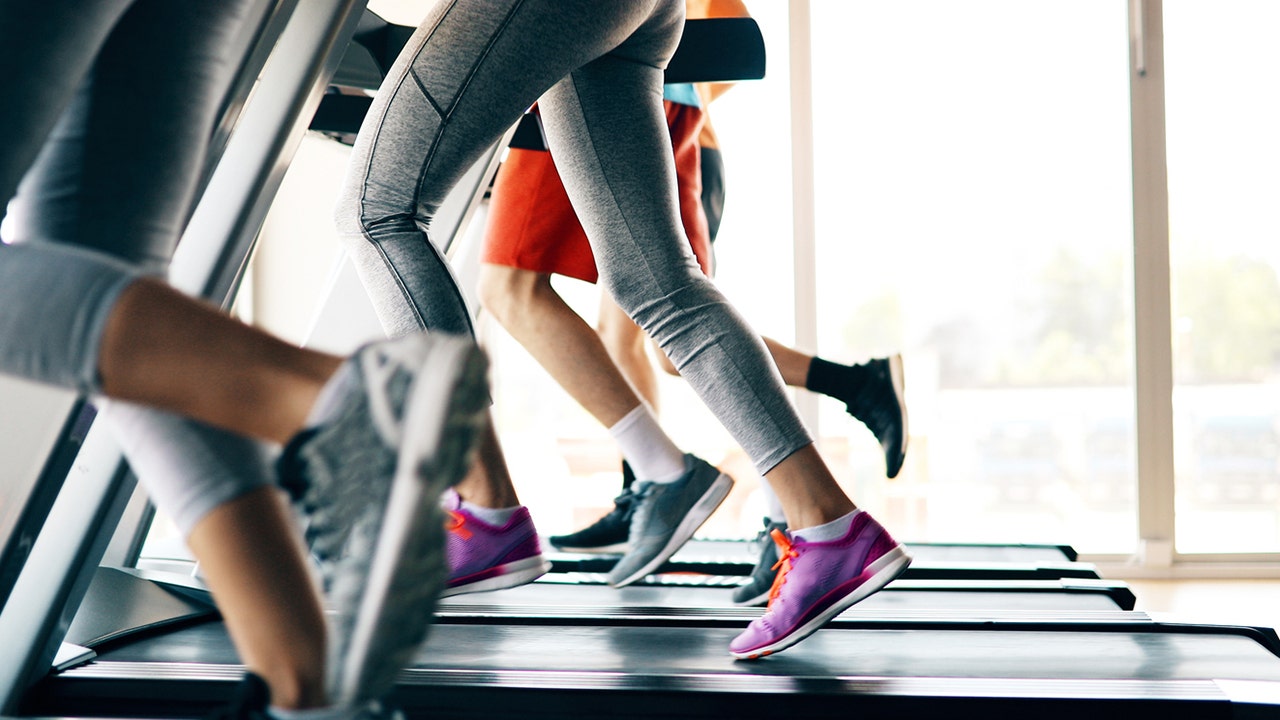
<point x="108" y="109"/>
<point x="596" y="69"/>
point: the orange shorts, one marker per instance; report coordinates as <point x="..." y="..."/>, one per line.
<point x="533" y="227"/>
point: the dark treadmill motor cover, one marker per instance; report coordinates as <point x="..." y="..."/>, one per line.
<point x="713" y="50"/>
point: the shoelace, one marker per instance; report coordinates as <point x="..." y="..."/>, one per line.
<point x="456" y="524"/>
<point x="783" y="566"/>
<point x="638" y="498"/>
<point x="626" y="502"/>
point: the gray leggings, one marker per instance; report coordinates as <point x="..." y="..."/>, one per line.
<point x="109" y="107"/>
<point x="595" y="68"/>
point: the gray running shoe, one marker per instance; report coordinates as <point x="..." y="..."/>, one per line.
<point x="755" y="591"/>
<point x="666" y="515"/>
<point x="368" y="482"/>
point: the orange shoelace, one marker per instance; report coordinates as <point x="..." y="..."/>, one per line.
<point x="783" y="566"/>
<point x="455" y="524"/>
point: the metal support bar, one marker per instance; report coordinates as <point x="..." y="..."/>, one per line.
<point x="210" y="259"/>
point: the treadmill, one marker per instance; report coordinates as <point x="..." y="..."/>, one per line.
<point x="933" y="561"/>
<point x="539" y="654"/>
<point x="865" y="664"/>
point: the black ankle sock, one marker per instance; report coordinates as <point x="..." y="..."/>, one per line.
<point x="842" y="382"/>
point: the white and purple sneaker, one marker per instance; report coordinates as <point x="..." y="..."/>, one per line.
<point x="485" y="557"/>
<point x="817" y="581"/>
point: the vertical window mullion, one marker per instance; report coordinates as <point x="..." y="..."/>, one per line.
<point x="1153" y="367"/>
<point x="802" y="196"/>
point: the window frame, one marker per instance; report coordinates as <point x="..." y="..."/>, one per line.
<point x="1156" y="555"/>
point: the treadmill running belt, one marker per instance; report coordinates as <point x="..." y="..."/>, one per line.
<point x="1032" y="596"/>
<point x="583" y="671"/>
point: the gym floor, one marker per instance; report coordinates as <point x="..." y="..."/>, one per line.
<point x="1223" y="602"/>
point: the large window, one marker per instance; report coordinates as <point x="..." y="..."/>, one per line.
<point x="1223" y="108"/>
<point x="973" y="194"/>
<point x="974" y="211"/>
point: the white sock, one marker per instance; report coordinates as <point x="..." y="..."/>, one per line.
<point x="493" y="516"/>
<point x="772" y="505"/>
<point x="833" y="530"/>
<point x="647" y="449"/>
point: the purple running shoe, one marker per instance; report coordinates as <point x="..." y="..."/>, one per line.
<point x="816" y="581"/>
<point x="486" y="557"/>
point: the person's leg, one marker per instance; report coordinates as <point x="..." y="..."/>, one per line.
<point x="354" y="444"/>
<point x="255" y="565"/>
<point x="625" y="343"/>
<point x="190" y="358"/>
<point x="491" y="542"/>
<point x="651" y="273"/>
<point x="489" y="484"/>
<point x="482" y="66"/>
<point x="94" y="332"/>
<point x="874" y="392"/>
<point x="117" y="174"/>
<point x="607" y="139"/>
<point x="529" y="308"/>
<point x="96" y="184"/>
<point x="466" y="76"/>
<point x="526" y="304"/>
<point x="46" y="49"/>
<point x="627" y="346"/>
<point x="219" y="490"/>
<point x="880" y="405"/>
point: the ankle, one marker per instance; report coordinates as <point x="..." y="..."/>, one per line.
<point x="294" y="689"/>
<point x="493" y="516"/>
<point x="824" y="532"/>
<point x="845" y="383"/>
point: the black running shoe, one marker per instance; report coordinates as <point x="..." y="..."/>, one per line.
<point x="886" y="415"/>
<point x="879" y="402"/>
<point x="606" y="535"/>
<point x="755" y="591"/>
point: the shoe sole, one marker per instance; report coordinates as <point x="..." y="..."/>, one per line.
<point x="693" y="520"/>
<point x="615" y="549"/>
<point x="513" y="574"/>
<point x="898" y="378"/>
<point x="407" y="570"/>
<point x="883" y="571"/>
<point x="755" y="600"/>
